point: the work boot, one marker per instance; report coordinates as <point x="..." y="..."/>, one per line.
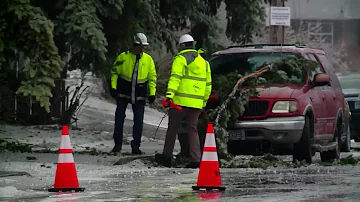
<point x="181" y="159"/>
<point x="137" y="152"/>
<point x="163" y="160"/>
<point x="116" y="149"/>
<point x="183" y="155"/>
<point x="193" y="165"/>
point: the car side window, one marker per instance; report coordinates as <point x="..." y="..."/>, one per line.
<point x="329" y="68"/>
<point x="317" y="70"/>
<point x="326" y="62"/>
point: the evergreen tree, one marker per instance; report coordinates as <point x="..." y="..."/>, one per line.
<point x="25" y="28"/>
<point x="89" y="34"/>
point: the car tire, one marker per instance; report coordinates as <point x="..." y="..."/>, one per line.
<point x="303" y="149"/>
<point x="346" y="146"/>
<point x="330" y="155"/>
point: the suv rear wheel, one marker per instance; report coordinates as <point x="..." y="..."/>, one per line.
<point x="330" y="155"/>
<point x="302" y="149"/>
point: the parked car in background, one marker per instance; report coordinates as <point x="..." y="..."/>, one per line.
<point x="351" y="88"/>
<point x="298" y="119"/>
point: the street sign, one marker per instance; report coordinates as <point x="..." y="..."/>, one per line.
<point x="280" y="16"/>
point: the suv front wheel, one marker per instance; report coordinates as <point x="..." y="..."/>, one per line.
<point x="302" y="149"/>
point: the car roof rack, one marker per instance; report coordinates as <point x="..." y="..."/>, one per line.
<point x="271" y="44"/>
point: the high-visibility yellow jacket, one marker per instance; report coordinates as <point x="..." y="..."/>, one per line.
<point x="134" y="81"/>
<point x="190" y="81"/>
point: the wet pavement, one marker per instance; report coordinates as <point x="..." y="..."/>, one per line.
<point x="28" y="180"/>
<point x="136" y="181"/>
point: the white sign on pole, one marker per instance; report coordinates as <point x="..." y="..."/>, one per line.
<point x="280" y="16"/>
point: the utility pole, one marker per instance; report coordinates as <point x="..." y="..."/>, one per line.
<point x="277" y="33"/>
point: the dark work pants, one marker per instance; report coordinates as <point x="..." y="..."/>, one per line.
<point x="183" y="136"/>
<point x="138" y="110"/>
<point x="191" y="116"/>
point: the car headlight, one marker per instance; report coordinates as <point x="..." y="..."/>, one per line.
<point x="285" y="107"/>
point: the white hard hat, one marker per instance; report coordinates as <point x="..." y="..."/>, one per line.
<point x="140" y="38"/>
<point x="186" y="38"/>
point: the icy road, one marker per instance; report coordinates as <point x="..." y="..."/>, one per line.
<point x="135" y="181"/>
<point x="27" y="176"/>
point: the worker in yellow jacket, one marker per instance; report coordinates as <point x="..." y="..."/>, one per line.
<point x="133" y="80"/>
<point x="189" y="86"/>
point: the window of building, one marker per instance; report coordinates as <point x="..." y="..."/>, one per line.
<point x="321" y="31"/>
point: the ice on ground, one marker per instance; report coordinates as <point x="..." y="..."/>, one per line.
<point x="8" y="191"/>
<point x="151" y="116"/>
<point x="95" y="101"/>
<point x="48" y="137"/>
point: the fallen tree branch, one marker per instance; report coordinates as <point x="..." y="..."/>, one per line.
<point x="220" y="131"/>
<point x="231" y="96"/>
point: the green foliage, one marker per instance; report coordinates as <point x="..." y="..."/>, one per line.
<point x="234" y="100"/>
<point x="28" y="30"/>
<point x="14" y="146"/>
<point x="89" y="34"/>
<point x="244" y="19"/>
<point x="262" y="162"/>
<point x="84" y="32"/>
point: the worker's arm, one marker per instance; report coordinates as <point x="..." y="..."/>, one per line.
<point x="152" y="78"/>
<point x="115" y="69"/>
<point x="177" y="72"/>
<point x="208" y="83"/>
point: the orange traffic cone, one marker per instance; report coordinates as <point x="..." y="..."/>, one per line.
<point x="66" y="179"/>
<point x="209" y="174"/>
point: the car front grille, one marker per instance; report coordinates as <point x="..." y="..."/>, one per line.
<point x="256" y="108"/>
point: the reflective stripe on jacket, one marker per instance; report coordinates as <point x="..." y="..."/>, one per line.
<point x="134" y="79"/>
<point x="190" y="81"/>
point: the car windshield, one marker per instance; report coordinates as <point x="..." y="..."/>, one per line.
<point x="350" y="82"/>
<point x="244" y="63"/>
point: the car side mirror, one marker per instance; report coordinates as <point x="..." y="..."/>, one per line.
<point x="321" y="80"/>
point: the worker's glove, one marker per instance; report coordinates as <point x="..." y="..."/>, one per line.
<point x="166" y="102"/>
<point x="113" y="93"/>
<point x="151" y="99"/>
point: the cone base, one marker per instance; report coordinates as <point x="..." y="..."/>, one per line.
<point x="208" y="188"/>
<point x="79" y="189"/>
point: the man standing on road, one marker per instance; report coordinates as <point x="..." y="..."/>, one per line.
<point x="189" y="87"/>
<point x="133" y="80"/>
<point x="212" y="103"/>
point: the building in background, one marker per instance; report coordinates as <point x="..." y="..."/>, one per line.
<point x="339" y="20"/>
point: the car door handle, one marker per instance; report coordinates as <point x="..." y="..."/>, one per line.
<point x="334" y="97"/>
<point x="323" y="98"/>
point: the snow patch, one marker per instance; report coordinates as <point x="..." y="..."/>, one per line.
<point x="136" y="163"/>
<point x="151" y="116"/>
<point x="72" y="196"/>
<point x="95" y="101"/>
<point x="8" y="191"/>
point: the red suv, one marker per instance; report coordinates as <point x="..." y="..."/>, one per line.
<point x="297" y="119"/>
